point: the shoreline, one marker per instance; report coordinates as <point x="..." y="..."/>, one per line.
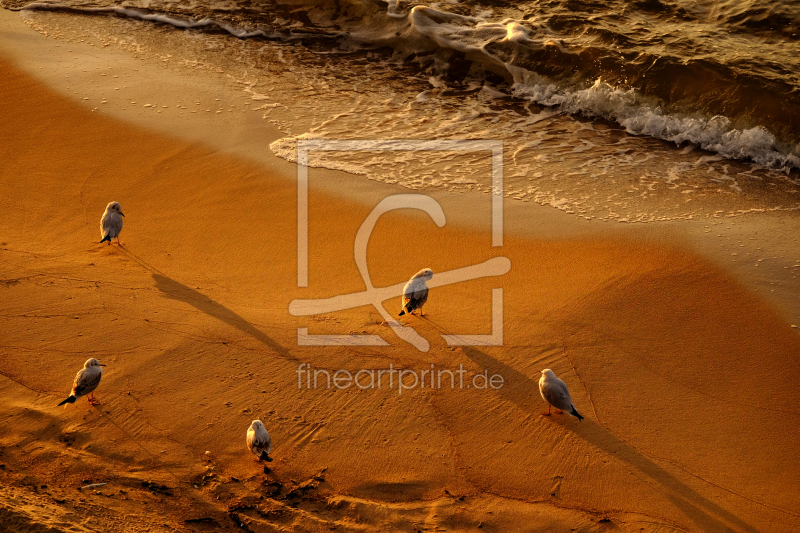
<point x="657" y="343"/>
<point x="759" y="249"/>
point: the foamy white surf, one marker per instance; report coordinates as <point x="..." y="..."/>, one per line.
<point x="176" y="22"/>
<point x="638" y="118"/>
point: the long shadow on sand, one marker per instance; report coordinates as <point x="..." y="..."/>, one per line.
<point x="177" y="291"/>
<point x="524" y="392"/>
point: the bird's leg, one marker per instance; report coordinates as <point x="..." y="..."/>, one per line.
<point x="560" y="412"/>
<point x="92" y="399"/>
<point x="548" y="410"/>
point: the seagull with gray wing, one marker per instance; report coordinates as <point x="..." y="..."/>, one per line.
<point x="415" y="292"/>
<point x="259" y="441"/>
<point x="111" y="222"/>
<point x="556" y="394"/>
<point x="86" y="381"/>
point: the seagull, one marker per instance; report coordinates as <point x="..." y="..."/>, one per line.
<point x="86" y="381"/>
<point x="415" y="293"/>
<point x="258" y="441"/>
<point x="111" y="222"/>
<point x="555" y="392"/>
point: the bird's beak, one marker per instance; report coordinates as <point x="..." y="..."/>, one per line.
<point x="101" y="364"/>
<point x="121" y="213"/>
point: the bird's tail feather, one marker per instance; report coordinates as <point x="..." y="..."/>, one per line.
<point x="106" y="238"/>
<point x="575" y="413"/>
<point x="408" y="308"/>
<point x="71" y="399"/>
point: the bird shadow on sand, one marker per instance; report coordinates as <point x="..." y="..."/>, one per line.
<point x="178" y="291"/>
<point x="523" y="391"/>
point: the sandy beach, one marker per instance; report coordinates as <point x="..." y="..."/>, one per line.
<point x="682" y="357"/>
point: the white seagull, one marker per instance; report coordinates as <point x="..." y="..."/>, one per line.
<point x="556" y="394"/>
<point x="258" y="440"/>
<point x="415" y="292"/>
<point x="86" y="381"/>
<point x="111" y="222"/>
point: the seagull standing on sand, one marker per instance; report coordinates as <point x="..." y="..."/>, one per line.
<point x="258" y="440"/>
<point x="555" y="392"/>
<point x="86" y="381"/>
<point x="415" y="293"/>
<point x="111" y="223"/>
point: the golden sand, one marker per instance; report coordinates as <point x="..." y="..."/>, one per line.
<point x="688" y="382"/>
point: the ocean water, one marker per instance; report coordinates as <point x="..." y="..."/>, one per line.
<point x="634" y="111"/>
